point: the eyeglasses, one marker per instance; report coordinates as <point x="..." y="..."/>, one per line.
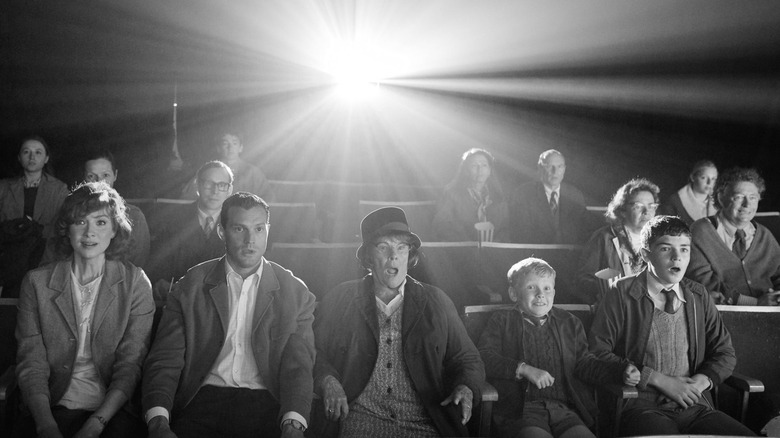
<point x="740" y="199"/>
<point x="639" y="206"/>
<point x="220" y="186"/>
<point x="386" y="249"/>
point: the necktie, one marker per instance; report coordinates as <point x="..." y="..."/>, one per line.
<point x="209" y="227"/>
<point x="739" y="247"/>
<point x="554" y="203"/>
<point x="670" y="296"/>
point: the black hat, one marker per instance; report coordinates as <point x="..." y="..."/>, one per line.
<point x="383" y="221"/>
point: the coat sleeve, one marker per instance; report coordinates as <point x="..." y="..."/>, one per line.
<point x="588" y="368"/>
<point x="134" y="345"/>
<point x="165" y="362"/>
<point x="296" y="385"/>
<point x="32" y="366"/>
<point x="462" y="360"/>
<point x="497" y="365"/>
<point x="607" y="328"/>
<point x="720" y="358"/>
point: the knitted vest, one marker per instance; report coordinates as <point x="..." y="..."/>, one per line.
<point x="543" y="352"/>
<point x="389" y="406"/>
<point x="667" y="347"/>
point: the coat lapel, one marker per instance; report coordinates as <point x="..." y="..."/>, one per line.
<point x="414" y="307"/>
<point x="60" y="283"/>
<point x="266" y="293"/>
<point x="217" y="282"/>
<point x="367" y="305"/>
<point x="107" y="294"/>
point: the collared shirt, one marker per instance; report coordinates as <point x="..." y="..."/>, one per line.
<point x="655" y="288"/>
<point x="235" y="366"/>
<point x="726" y="232"/>
<point x="549" y="190"/>
<point x="390" y="308"/>
<point x="203" y="216"/>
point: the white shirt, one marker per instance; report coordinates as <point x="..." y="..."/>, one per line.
<point x="203" y="216"/>
<point x="235" y="366"/>
<point x="85" y="390"/>
<point x="654" y="288"/>
<point x="390" y="308"/>
<point x="549" y="191"/>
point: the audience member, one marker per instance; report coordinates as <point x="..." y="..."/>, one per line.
<point x="737" y="259"/>
<point x="615" y="247"/>
<point x="190" y="235"/>
<point x="393" y="358"/>
<point x="535" y="355"/>
<point x="37" y="194"/>
<point x="234" y="352"/>
<point x="247" y="177"/>
<point x="668" y="328"/>
<point x="101" y="166"/>
<point x="473" y="196"/>
<point x="694" y="200"/>
<point x="549" y="210"/>
<point x="84" y="325"/>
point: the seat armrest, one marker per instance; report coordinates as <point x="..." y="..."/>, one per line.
<point x="7" y="382"/>
<point x="489" y="393"/>
<point x="744" y="383"/>
<point x="621" y="391"/>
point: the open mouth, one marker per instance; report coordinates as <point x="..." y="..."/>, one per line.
<point x="88" y="244"/>
<point x="675" y="269"/>
<point x="391" y="271"/>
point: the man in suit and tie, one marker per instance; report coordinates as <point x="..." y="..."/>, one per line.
<point x="234" y="351"/>
<point x="549" y="211"/>
<point x="190" y="234"/>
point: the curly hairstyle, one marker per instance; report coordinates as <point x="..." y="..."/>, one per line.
<point x="624" y="193"/>
<point x="462" y="180"/>
<point x="736" y="175"/>
<point x="86" y="198"/>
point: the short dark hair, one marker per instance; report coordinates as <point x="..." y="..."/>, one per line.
<point x="414" y="251"/>
<point x="736" y="175"/>
<point x="527" y="266"/>
<point x="97" y="154"/>
<point x="215" y="164"/>
<point x="659" y="226"/>
<point x="625" y="192"/>
<point x="244" y="200"/>
<point x="86" y="198"/>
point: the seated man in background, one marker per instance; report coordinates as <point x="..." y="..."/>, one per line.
<point x="190" y="235"/>
<point x="549" y="211"/>
<point x="247" y="177"/>
<point x="669" y="328"/>
<point x="234" y="352"/>
<point x="735" y="258"/>
<point x="532" y="354"/>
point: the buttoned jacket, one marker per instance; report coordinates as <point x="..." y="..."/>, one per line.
<point x="533" y="221"/>
<point x="194" y="326"/>
<point x="47" y="329"/>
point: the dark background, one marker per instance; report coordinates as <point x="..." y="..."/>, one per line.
<point x="621" y="88"/>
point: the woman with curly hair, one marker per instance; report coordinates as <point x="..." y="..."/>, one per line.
<point x="616" y="245"/>
<point x="84" y="325"/>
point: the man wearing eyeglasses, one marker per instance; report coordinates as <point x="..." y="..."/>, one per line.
<point x="190" y="233"/>
<point x="547" y="210"/>
<point x="737" y="259"/>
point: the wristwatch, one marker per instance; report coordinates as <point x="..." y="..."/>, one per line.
<point x="295" y="424"/>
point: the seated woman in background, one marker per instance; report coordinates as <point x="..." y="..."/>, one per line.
<point x="473" y="196"/>
<point x="694" y="201"/>
<point x="37" y="194"/>
<point x="616" y="245"/>
<point x="84" y="325"/>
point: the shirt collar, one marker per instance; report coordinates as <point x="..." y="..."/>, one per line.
<point x="202" y="215"/>
<point x="389" y="308"/>
<point x="654" y="287"/>
<point x="230" y="271"/>
<point x="549" y="190"/>
<point x="730" y="229"/>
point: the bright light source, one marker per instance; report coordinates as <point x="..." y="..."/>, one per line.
<point x="358" y="71"/>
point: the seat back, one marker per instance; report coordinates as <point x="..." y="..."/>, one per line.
<point x="293" y="222"/>
<point x="485" y="230"/>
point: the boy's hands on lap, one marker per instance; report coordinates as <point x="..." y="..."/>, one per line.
<point x="682" y="390"/>
<point x="631" y="375"/>
<point x="540" y="378"/>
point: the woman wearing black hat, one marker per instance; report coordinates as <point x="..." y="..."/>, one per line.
<point x="385" y="342"/>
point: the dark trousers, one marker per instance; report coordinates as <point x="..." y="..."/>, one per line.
<point x="234" y="412"/>
<point x="698" y="419"/>
<point x="122" y="425"/>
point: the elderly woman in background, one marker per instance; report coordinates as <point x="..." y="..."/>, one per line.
<point x="474" y="196"/>
<point x="100" y="166"/>
<point x="37" y="194"/>
<point x="393" y="358"/>
<point x="84" y="325"/>
<point x="694" y="201"/>
<point x="613" y="250"/>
